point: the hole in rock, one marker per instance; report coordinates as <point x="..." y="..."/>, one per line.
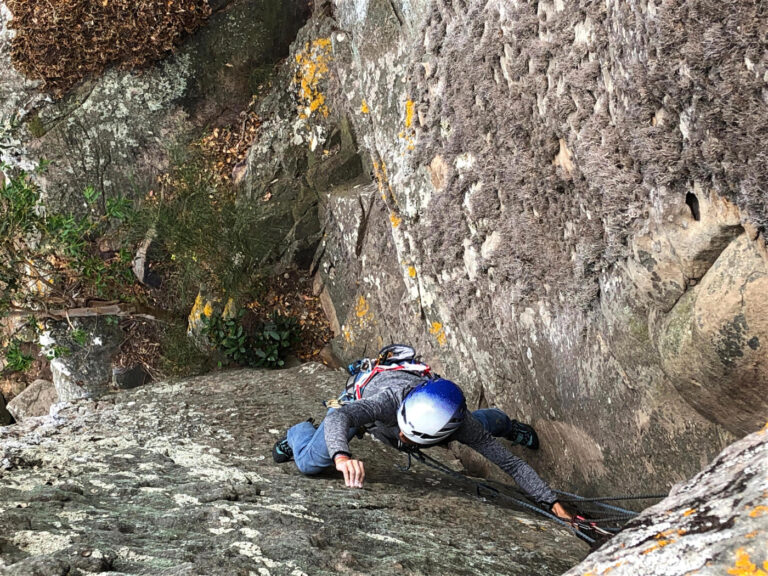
<point x="693" y="204"/>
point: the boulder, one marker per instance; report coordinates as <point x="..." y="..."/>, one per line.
<point x="35" y="400"/>
<point x="83" y="350"/>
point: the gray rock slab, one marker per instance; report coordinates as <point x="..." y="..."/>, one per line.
<point x="177" y="478"/>
<point x="35" y="400"/>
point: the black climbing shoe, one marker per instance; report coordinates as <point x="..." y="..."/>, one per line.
<point x="281" y="451"/>
<point x="524" y="435"/>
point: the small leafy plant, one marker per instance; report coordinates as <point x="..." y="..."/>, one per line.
<point x="80" y="336"/>
<point x="265" y="346"/>
<point x="16" y="360"/>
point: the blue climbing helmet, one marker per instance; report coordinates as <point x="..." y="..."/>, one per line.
<point x="432" y="411"/>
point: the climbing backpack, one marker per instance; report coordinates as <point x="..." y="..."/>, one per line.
<point x="392" y="357"/>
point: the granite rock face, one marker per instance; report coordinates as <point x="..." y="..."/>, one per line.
<point x="177" y="478"/>
<point x="35" y="400"/>
<point x="716" y="523"/>
<point x="564" y="215"/>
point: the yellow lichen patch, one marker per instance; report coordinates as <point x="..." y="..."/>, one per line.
<point x="380" y="172"/>
<point x="395" y="219"/>
<point x="412" y="271"/>
<point x="409" y="110"/>
<point x="751" y="534"/>
<point x="364" y="107"/>
<point x="312" y="68"/>
<point x="197" y="308"/>
<point x="229" y="309"/>
<point x="658" y="545"/>
<point x="689" y="512"/>
<point x="347" y="333"/>
<point x="438" y="332"/>
<point x="362" y="307"/>
<point x="208" y="309"/>
<point x="745" y="567"/>
<point x="758" y="511"/>
<point x="410" y="132"/>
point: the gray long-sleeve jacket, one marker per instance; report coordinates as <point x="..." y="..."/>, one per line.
<point x="377" y="411"/>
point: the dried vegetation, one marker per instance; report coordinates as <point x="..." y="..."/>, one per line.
<point x="64" y="41"/>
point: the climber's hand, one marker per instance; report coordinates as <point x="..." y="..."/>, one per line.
<point x="353" y="470"/>
<point x="560" y="512"/>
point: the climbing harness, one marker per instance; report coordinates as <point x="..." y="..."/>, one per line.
<point x="587" y="525"/>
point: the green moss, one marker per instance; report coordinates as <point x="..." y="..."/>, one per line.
<point x="679" y="325"/>
<point x="36" y="127"/>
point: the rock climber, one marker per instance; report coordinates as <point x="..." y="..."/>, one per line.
<point x="403" y="404"/>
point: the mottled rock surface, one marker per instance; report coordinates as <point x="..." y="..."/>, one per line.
<point x="35" y="400"/>
<point x="565" y="214"/>
<point x="177" y="478"/>
<point x="716" y="523"/>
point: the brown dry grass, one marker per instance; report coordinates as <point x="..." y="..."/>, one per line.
<point x="64" y="41"/>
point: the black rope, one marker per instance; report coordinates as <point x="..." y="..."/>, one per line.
<point x="621" y="518"/>
<point x="599" y="501"/>
<point x="611" y="498"/>
<point x="437" y="465"/>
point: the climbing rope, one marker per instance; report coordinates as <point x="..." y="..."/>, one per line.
<point x="600" y="502"/>
<point x="591" y="522"/>
<point x="480" y="486"/>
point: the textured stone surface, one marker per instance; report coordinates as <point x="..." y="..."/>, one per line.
<point x="35" y="400"/>
<point x="177" y="478"/>
<point x="562" y="216"/>
<point x="115" y="132"/>
<point x="716" y="523"/>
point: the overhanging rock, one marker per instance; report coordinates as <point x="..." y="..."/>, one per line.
<point x="177" y="479"/>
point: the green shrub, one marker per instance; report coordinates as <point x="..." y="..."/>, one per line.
<point x="57" y="255"/>
<point x="264" y="346"/>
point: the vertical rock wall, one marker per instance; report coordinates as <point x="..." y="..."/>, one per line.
<point x="566" y="214"/>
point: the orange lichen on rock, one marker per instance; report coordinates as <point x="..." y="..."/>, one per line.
<point x="362" y="307"/>
<point x="395" y="220"/>
<point x="312" y="68"/>
<point x="364" y="107"/>
<point x="689" y="512"/>
<point x="758" y="511"/>
<point x="438" y="332"/>
<point x="409" y="110"/>
<point x="745" y="567"/>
